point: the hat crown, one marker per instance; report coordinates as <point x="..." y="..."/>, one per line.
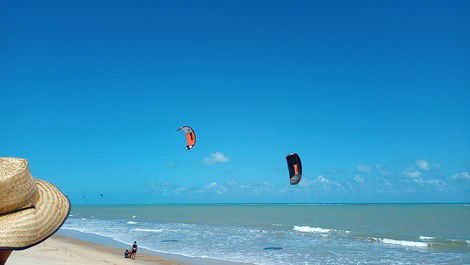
<point x="18" y="189"/>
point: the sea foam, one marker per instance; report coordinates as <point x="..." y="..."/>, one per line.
<point x="132" y="222"/>
<point x="308" y="229"/>
<point x="426" y="237"/>
<point x="402" y="242"/>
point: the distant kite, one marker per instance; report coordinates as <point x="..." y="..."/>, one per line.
<point x="295" y="168"/>
<point x="190" y="136"/>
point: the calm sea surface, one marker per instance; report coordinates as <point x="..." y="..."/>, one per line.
<point x="289" y="233"/>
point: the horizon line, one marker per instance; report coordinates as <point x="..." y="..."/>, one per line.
<point x="273" y="203"/>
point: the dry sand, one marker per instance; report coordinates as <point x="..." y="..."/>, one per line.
<point x="59" y="250"/>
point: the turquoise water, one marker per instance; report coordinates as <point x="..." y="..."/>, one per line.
<point x="289" y="233"/>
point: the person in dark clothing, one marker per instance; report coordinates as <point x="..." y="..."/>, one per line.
<point x="127" y="254"/>
<point x="134" y="250"/>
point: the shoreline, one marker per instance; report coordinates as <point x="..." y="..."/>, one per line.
<point x="66" y="250"/>
<point x="112" y="243"/>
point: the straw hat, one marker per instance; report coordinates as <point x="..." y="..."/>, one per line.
<point x="31" y="210"/>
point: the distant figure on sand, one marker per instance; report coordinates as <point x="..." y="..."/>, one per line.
<point x="126" y="254"/>
<point x="134" y="250"/>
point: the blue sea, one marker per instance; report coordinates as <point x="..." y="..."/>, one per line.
<point x="286" y="233"/>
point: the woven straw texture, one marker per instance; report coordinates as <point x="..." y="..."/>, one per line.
<point x="31" y="210"/>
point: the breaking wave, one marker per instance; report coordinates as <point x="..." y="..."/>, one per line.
<point x="426" y="237"/>
<point x="308" y="229"/>
<point x="401" y="242"/>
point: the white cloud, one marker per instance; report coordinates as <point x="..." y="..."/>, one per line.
<point x="435" y="181"/>
<point x="231" y="182"/>
<point x="217" y="188"/>
<point x="211" y="185"/>
<point x="307" y="182"/>
<point x="430" y="181"/>
<point x="364" y="168"/>
<point x="382" y="170"/>
<point x="461" y="175"/>
<point x="412" y="173"/>
<point x="423" y="164"/>
<point x="167" y="189"/>
<point x="359" y="179"/>
<point x="322" y="179"/>
<point x="216" y="157"/>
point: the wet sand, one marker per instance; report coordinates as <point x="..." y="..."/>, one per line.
<point x="59" y="250"/>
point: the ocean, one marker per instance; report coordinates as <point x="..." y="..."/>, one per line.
<point x="281" y="234"/>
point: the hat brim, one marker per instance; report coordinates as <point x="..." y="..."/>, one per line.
<point x="29" y="227"/>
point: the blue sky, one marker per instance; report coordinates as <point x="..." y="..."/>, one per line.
<point x="373" y="95"/>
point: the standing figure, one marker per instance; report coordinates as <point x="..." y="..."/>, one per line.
<point x="134" y="250"/>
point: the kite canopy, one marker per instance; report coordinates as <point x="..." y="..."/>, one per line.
<point x="295" y="168"/>
<point x="190" y="136"/>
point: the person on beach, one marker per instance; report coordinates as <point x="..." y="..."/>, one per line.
<point x="126" y="254"/>
<point x="31" y="210"/>
<point x="134" y="250"/>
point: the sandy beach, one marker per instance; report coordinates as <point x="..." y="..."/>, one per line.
<point x="62" y="250"/>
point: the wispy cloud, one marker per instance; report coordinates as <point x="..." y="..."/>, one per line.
<point x="461" y="175"/>
<point x="216" y="188"/>
<point x="235" y="187"/>
<point x="382" y="170"/>
<point x="167" y="189"/>
<point x="429" y="181"/>
<point x="318" y="180"/>
<point x="364" y="168"/>
<point x="423" y="164"/>
<point x="387" y="183"/>
<point x="412" y="173"/>
<point x="322" y="179"/>
<point x="211" y="188"/>
<point x="211" y="185"/>
<point x="216" y="157"/>
<point x="321" y="183"/>
<point x="358" y="179"/>
<point x="365" y="179"/>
